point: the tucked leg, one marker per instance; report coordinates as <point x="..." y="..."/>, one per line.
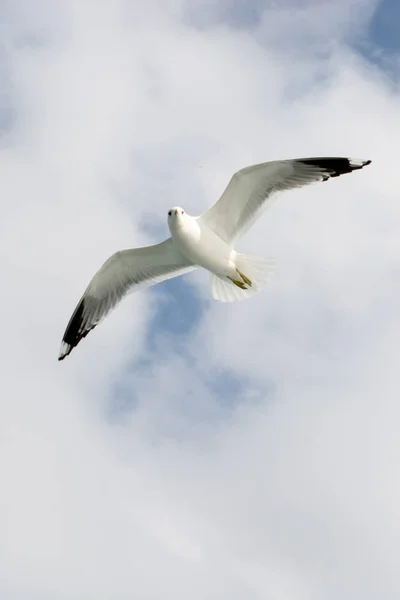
<point x="245" y="279"/>
<point x="240" y="284"/>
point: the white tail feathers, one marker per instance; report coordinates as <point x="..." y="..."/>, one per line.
<point x="257" y="270"/>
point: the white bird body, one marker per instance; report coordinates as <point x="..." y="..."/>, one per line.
<point x="205" y="241"/>
<point x="200" y="244"/>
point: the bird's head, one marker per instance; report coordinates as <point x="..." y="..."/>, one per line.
<point x="175" y="213"/>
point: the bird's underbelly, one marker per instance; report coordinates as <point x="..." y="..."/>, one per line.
<point x="206" y="249"/>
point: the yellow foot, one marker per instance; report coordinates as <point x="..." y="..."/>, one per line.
<point x="245" y="279"/>
<point x="238" y="283"/>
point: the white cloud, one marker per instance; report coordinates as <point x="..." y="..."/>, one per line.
<point x="257" y="455"/>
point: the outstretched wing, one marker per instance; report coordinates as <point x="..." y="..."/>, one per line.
<point x="123" y="272"/>
<point x="250" y="190"/>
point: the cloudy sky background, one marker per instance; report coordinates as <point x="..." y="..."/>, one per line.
<point x="188" y="449"/>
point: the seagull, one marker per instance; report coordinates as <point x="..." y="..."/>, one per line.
<point x="205" y="241"/>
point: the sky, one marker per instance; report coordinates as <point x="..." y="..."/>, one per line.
<point x="186" y="448"/>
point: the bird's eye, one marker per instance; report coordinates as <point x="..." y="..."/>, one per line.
<point x="169" y="213"/>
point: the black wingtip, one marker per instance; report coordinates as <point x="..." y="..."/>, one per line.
<point x="74" y="331"/>
<point x="64" y="351"/>
<point x="336" y="166"/>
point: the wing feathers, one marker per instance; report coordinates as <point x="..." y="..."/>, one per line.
<point x="123" y="272"/>
<point x="250" y="188"/>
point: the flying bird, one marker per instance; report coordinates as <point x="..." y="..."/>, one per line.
<point x="206" y="241"/>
